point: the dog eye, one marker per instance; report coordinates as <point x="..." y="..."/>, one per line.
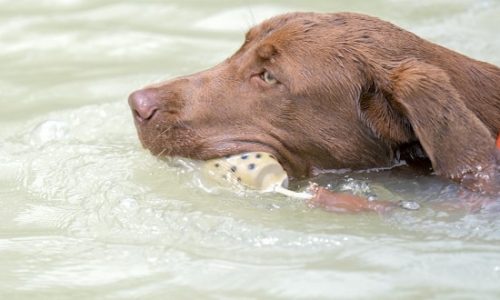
<point x="268" y="78"/>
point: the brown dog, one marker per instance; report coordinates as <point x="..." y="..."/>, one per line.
<point x="328" y="91"/>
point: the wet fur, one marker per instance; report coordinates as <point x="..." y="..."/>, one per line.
<point x="354" y="92"/>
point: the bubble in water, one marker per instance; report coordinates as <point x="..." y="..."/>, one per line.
<point x="129" y="204"/>
<point x="47" y="131"/>
<point x="357" y="187"/>
<point x="410" y="205"/>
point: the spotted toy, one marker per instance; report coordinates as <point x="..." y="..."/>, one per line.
<point x="262" y="172"/>
<point x="255" y="170"/>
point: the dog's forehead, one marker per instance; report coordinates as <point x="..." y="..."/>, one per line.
<point x="290" y="22"/>
<point x="280" y="32"/>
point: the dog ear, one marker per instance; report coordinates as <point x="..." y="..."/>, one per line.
<point x="420" y="103"/>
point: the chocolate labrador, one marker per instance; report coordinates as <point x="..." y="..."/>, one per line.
<point x="329" y="91"/>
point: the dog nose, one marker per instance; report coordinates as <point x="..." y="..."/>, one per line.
<point x="144" y="104"/>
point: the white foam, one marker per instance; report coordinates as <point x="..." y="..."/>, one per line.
<point x="48" y="131"/>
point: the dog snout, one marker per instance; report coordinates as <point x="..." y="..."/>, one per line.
<point x="144" y="104"/>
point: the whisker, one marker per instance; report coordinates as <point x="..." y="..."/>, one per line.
<point x="161" y="133"/>
<point x="162" y="151"/>
<point x="252" y="21"/>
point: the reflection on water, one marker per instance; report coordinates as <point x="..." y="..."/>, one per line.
<point x="86" y="212"/>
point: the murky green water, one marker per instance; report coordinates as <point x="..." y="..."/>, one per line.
<point x="85" y="213"/>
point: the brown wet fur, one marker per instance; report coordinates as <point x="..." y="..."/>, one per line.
<point x="353" y="91"/>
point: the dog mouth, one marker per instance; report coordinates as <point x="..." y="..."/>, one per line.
<point x="180" y="140"/>
<point x="290" y="162"/>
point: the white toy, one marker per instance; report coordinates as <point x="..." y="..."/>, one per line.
<point x="255" y="170"/>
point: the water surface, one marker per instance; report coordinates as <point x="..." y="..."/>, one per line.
<point x="87" y="214"/>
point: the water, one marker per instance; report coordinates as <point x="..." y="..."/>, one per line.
<point x="87" y="214"/>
